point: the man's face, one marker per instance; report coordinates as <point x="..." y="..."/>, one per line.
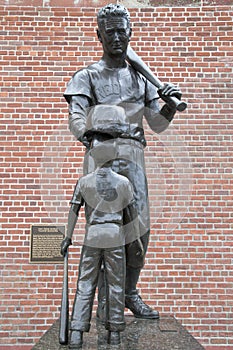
<point x="114" y="35"/>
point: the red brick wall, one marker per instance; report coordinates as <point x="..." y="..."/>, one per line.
<point x="188" y="270"/>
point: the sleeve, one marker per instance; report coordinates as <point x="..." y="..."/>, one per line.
<point x="78" y="85"/>
<point x="78" y="94"/>
<point x="151" y="92"/>
<point x="77" y="198"/>
<point x="78" y="109"/>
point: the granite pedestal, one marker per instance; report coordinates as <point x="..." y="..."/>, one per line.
<point x="163" y="334"/>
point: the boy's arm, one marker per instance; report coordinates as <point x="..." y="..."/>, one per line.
<point x="76" y="202"/>
<point x="72" y="220"/>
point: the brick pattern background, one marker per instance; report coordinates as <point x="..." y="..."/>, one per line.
<point x="188" y="270"/>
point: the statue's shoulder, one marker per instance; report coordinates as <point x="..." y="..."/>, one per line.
<point x="136" y="73"/>
<point x="79" y="84"/>
<point x="121" y="180"/>
<point x="87" y="181"/>
<point x="84" y="72"/>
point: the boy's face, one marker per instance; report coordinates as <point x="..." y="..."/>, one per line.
<point x="114" y="35"/>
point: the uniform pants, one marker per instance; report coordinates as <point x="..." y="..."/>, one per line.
<point x="113" y="260"/>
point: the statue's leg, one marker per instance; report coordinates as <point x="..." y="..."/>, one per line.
<point x="101" y="309"/>
<point x="88" y="167"/>
<point x="132" y="165"/>
<point x="114" y="261"/>
<point x="133" y="300"/>
<point x="133" y="270"/>
<point x="89" y="266"/>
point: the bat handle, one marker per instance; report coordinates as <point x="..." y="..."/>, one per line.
<point x="176" y="103"/>
<point x="173" y="101"/>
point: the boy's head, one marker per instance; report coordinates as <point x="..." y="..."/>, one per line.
<point x="104" y="124"/>
<point x="103" y="150"/>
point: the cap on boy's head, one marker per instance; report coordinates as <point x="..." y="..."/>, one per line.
<point x="107" y="119"/>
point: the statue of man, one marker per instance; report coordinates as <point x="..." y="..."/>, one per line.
<point x="112" y="81"/>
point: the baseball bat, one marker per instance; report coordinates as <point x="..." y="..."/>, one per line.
<point x="138" y="64"/>
<point x="64" y="313"/>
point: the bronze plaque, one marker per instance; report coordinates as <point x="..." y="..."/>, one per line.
<point x="45" y="243"/>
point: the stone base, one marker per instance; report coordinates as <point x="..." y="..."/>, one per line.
<point x="163" y="334"/>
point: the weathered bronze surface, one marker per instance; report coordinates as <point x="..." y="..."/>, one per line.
<point x="112" y="81"/>
<point x="117" y="97"/>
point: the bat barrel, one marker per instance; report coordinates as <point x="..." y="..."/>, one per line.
<point x="64" y="314"/>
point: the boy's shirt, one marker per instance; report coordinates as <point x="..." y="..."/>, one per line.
<point x="109" y="205"/>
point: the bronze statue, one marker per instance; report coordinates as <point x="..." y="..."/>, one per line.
<point x="112" y="81"/>
<point x="109" y="205"/>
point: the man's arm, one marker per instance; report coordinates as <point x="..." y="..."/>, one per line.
<point x="131" y="218"/>
<point x="160" y="118"/>
<point x="78" y="108"/>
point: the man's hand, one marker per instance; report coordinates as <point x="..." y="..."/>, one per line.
<point x="169" y="90"/>
<point x="65" y="245"/>
<point x="141" y="250"/>
<point x="135" y="254"/>
<point x="85" y="141"/>
<point x="169" y="109"/>
<point x="137" y="247"/>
